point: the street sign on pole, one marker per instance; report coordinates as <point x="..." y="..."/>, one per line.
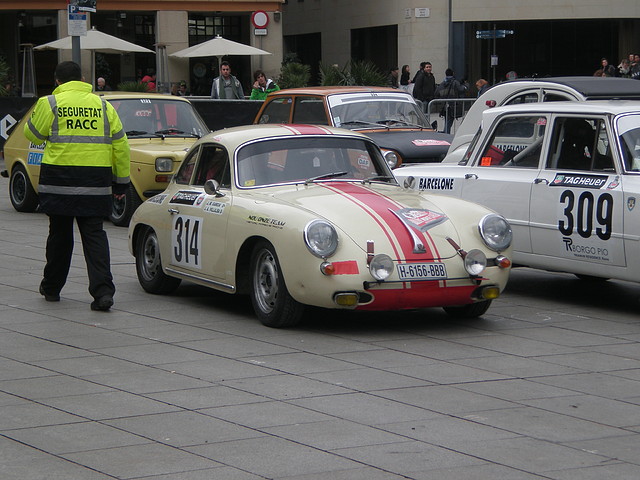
<point x="77" y="24"/>
<point x="491" y="34"/>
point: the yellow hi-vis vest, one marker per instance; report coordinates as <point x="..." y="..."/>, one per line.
<point x="86" y="150"/>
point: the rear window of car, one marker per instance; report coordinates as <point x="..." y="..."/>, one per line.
<point x="310" y="110"/>
<point x="277" y="110"/>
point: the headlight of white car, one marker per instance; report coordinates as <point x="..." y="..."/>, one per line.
<point x="381" y="267"/>
<point x="495" y="232"/>
<point x="391" y="157"/>
<point x="475" y="262"/>
<point x="321" y="238"/>
<point x="164" y="164"/>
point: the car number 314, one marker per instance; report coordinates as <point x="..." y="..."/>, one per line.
<point x="186" y="241"/>
<point x="421" y="271"/>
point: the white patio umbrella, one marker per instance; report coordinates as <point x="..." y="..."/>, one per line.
<point x="95" y="41"/>
<point x="218" y="47"/>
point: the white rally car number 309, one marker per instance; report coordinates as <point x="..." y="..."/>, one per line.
<point x="580" y="214"/>
<point x="186" y="241"/>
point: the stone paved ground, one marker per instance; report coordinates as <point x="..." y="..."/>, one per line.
<point x="192" y="387"/>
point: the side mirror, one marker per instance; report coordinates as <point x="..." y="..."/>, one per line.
<point x="212" y="187"/>
<point x="434" y="125"/>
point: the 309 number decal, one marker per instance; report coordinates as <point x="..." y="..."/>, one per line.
<point x="186" y="241"/>
<point x="581" y="214"/>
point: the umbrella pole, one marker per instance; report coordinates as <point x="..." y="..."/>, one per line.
<point x="93" y="68"/>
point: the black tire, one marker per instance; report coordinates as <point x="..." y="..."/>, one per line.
<point x="122" y="210"/>
<point x="23" y="196"/>
<point x="471" y="310"/>
<point x="149" y="265"/>
<point x="271" y="300"/>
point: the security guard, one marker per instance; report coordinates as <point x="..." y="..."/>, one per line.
<point x="85" y="162"/>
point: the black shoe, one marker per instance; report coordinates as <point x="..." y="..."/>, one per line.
<point x="102" y="304"/>
<point x="48" y="297"/>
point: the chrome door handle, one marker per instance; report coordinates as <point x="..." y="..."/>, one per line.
<point x="173" y="211"/>
<point x="470" y="175"/>
<point x="541" y="180"/>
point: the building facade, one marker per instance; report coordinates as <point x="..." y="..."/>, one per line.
<point x="175" y="25"/>
<point x="550" y="37"/>
<point x="547" y="37"/>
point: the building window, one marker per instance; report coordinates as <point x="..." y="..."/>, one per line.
<point x="203" y="28"/>
<point x="145" y="30"/>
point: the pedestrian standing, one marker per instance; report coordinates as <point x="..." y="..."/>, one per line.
<point x="418" y="71"/>
<point x="226" y="86"/>
<point x="262" y="86"/>
<point x="85" y="162"/>
<point x="482" y="86"/>
<point x="405" y="79"/>
<point x="425" y="86"/>
<point x="393" y="77"/>
<point x="451" y="88"/>
<point x="634" y="69"/>
<point x="608" y="70"/>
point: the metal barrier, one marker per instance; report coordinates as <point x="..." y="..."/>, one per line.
<point x="441" y="110"/>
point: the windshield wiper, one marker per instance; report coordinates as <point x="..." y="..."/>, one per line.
<point x="359" y="122"/>
<point x="324" y="177"/>
<point x="174" y="131"/>
<point x="377" y="177"/>
<point x="394" y="121"/>
<point x="136" y="133"/>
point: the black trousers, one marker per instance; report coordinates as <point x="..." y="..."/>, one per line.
<point x="96" y="254"/>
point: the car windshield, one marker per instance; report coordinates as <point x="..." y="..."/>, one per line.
<point x="150" y="117"/>
<point x="375" y="110"/>
<point x="310" y="159"/>
<point x="629" y="132"/>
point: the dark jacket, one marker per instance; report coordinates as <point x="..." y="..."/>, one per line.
<point x="425" y="87"/>
<point x="450" y="88"/>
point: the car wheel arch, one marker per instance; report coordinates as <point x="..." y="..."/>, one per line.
<point x="243" y="263"/>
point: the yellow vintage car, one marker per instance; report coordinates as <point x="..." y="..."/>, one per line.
<point x="297" y="215"/>
<point x="160" y="129"/>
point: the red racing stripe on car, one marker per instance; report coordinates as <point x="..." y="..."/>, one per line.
<point x="348" y="267"/>
<point x="307" y="129"/>
<point x="385" y="228"/>
<point x="381" y="208"/>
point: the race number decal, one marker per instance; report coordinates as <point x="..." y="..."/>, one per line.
<point x="186" y="241"/>
<point x="581" y="214"/>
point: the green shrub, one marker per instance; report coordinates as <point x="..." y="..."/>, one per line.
<point x="294" y="75"/>
<point x="353" y="73"/>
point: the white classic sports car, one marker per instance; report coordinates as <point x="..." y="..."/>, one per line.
<point x="300" y="215"/>
<point x="566" y="176"/>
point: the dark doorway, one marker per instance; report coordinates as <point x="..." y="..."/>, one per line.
<point x="377" y="44"/>
<point x="308" y="50"/>
<point x="544" y="48"/>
